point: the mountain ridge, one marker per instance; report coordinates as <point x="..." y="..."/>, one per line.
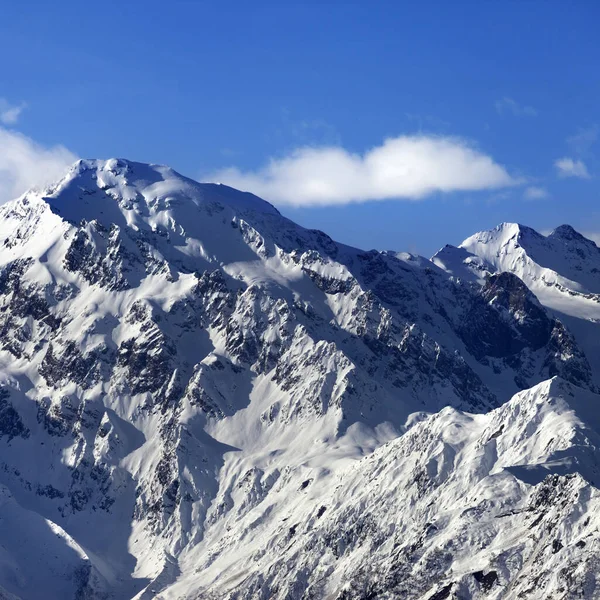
<point x="195" y="389"/>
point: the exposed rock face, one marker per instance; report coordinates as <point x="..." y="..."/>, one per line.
<point x="204" y="399"/>
<point x="11" y="424"/>
<point x="563" y="272"/>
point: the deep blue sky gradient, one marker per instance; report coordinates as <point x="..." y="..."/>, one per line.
<point x="201" y="86"/>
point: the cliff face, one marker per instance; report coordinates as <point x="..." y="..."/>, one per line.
<point x="199" y="398"/>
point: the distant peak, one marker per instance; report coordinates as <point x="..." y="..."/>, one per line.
<point x="501" y="234"/>
<point x="518" y="228"/>
<point x="508" y="226"/>
<point x="566" y="232"/>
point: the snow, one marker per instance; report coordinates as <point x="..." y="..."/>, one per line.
<point x="201" y="399"/>
<point x="562" y="270"/>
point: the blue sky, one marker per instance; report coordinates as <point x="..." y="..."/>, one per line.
<point x="494" y="107"/>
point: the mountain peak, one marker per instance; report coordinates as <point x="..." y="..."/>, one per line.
<point x="164" y="341"/>
<point x="567" y="233"/>
<point x="501" y="235"/>
<point x="131" y="183"/>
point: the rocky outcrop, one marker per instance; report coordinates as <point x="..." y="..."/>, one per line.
<point x="216" y="402"/>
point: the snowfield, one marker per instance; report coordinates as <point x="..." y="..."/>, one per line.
<point x="200" y="399"/>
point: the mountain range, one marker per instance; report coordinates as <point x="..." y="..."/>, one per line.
<point x="200" y="399"/>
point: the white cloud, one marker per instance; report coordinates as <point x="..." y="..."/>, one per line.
<point x="584" y="139"/>
<point x="567" y="167"/>
<point x="509" y="105"/>
<point x="535" y="193"/>
<point x="405" y="167"/>
<point x="25" y="164"/>
<point x="9" y="113"/>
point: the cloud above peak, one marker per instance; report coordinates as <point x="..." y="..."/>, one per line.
<point x="409" y="167"/>
<point x="568" y="167"/>
<point x="25" y="164"/>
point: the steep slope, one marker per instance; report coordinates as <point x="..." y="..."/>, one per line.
<point x="561" y="269"/>
<point x="181" y="367"/>
<point x="500" y="506"/>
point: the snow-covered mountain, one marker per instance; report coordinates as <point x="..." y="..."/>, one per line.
<point x="201" y="399"/>
<point x="561" y="269"/>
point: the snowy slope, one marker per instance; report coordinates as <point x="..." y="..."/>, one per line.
<point x="561" y="269"/>
<point x="501" y="505"/>
<point x="202" y="399"/>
